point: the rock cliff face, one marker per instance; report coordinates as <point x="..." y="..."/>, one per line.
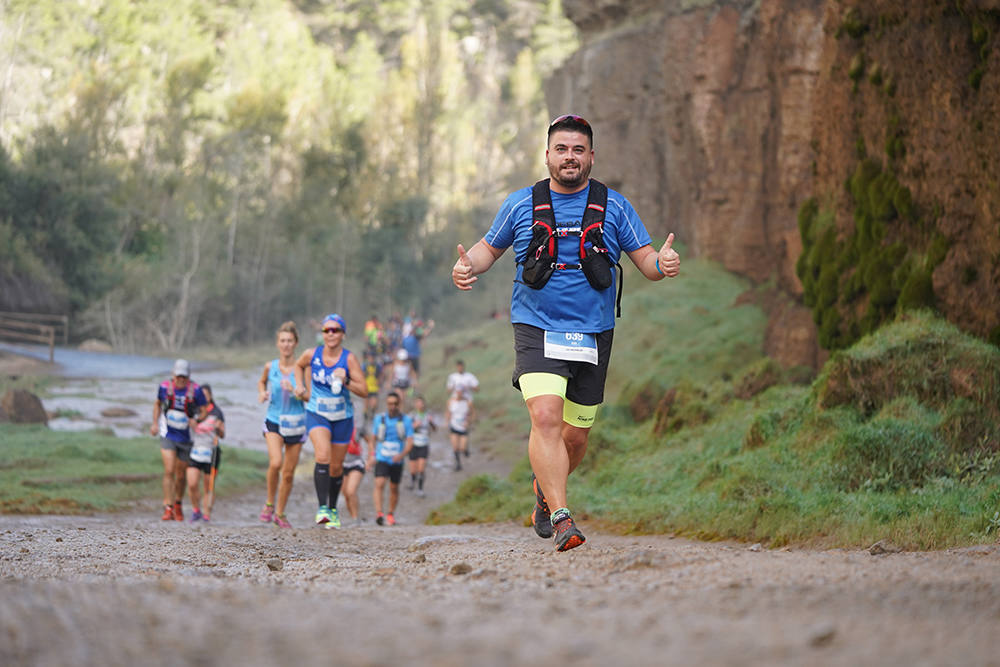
<point x="719" y="119"/>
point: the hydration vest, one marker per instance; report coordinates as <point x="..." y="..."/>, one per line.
<point x="190" y="408"/>
<point x="595" y="261"/>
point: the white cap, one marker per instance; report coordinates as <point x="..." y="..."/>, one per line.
<point x="402" y="355"/>
<point x="182" y="368"/>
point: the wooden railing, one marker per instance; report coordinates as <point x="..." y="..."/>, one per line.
<point x="35" y="328"/>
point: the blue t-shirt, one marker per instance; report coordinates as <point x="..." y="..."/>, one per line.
<point x="412" y="346"/>
<point x="567" y="303"/>
<point x="390" y="435"/>
<point x="179" y="413"/>
<point x="282" y="402"/>
<point x="323" y="400"/>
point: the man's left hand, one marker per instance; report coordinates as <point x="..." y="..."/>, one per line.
<point x="668" y="259"/>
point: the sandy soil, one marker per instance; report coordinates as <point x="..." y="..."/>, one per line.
<point x="15" y="365"/>
<point x="129" y="589"/>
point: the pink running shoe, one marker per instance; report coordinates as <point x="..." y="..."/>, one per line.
<point x="267" y="514"/>
<point x="281" y="521"/>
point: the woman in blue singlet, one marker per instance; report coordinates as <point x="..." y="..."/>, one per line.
<point x="334" y="374"/>
<point x="284" y="424"/>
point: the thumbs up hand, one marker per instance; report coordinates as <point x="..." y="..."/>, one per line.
<point x="668" y="261"/>
<point x="461" y="273"/>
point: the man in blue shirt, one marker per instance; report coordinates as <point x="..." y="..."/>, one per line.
<point x="564" y="323"/>
<point x="389" y="442"/>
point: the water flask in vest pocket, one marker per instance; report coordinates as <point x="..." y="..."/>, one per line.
<point x="538" y="263"/>
<point x="401" y="430"/>
<point x="594" y="258"/>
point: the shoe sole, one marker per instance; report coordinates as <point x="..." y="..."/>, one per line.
<point x="573" y="542"/>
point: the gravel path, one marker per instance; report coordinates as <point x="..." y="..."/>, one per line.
<point x="124" y="590"/>
<point x="128" y="589"/>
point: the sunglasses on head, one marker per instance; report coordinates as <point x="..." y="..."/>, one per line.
<point x="569" y="116"/>
<point x="333" y="330"/>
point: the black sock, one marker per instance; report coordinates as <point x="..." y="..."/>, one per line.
<point x="335" y="484"/>
<point x="321" y="478"/>
<point x="420" y="481"/>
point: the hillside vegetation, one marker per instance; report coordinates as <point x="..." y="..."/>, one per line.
<point x="192" y="172"/>
<point x="897" y="437"/>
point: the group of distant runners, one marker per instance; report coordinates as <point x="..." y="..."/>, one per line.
<point x="310" y="397"/>
<point x="568" y="233"/>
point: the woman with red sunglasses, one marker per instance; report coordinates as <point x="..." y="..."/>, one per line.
<point x="334" y="373"/>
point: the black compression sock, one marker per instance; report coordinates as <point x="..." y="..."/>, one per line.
<point x="321" y="478"/>
<point x="420" y="481"/>
<point x="335" y="484"/>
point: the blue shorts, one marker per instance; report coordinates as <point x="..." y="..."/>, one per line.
<point x="340" y="430"/>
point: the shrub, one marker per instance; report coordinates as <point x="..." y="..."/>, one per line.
<point x="888" y="454"/>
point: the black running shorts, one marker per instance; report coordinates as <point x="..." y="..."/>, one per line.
<point x="394" y="471"/>
<point x="585" y="381"/>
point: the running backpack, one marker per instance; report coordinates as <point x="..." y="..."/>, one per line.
<point x="595" y="261"/>
<point x="190" y="409"/>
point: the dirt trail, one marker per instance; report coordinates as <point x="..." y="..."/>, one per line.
<point x="118" y="590"/>
<point x="129" y="589"/>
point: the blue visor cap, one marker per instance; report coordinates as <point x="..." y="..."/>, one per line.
<point x="334" y="317"/>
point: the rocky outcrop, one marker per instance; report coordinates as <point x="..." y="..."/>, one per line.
<point x="22" y="407"/>
<point x="719" y="119"/>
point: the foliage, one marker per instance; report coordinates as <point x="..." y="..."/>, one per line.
<point x="203" y="164"/>
<point x="43" y="471"/>
<point x="858" y="283"/>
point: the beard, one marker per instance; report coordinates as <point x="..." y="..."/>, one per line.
<point x="574" y="179"/>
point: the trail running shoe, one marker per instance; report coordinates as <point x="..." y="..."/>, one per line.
<point x="196" y="516"/>
<point x="168" y="513"/>
<point x="568" y="536"/>
<point x="334" y="521"/>
<point x="390" y="520"/>
<point x="178" y="512"/>
<point x="281" y="521"/>
<point x="540" y="516"/>
<point x="205" y="518"/>
<point x="267" y="514"/>
<point x="323" y="515"/>
<point x="380" y="519"/>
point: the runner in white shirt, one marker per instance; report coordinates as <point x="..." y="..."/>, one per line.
<point x="459" y="417"/>
<point x="463" y="381"/>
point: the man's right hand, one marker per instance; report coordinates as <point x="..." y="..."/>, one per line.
<point x="461" y="273"/>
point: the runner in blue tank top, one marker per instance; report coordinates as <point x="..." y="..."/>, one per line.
<point x="563" y="309"/>
<point x="334" y="373"/>
<point x="284" y="424"/>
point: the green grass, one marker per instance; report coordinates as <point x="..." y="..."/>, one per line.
<point x="49" y="472"/>
<point x="898" y="437"/>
